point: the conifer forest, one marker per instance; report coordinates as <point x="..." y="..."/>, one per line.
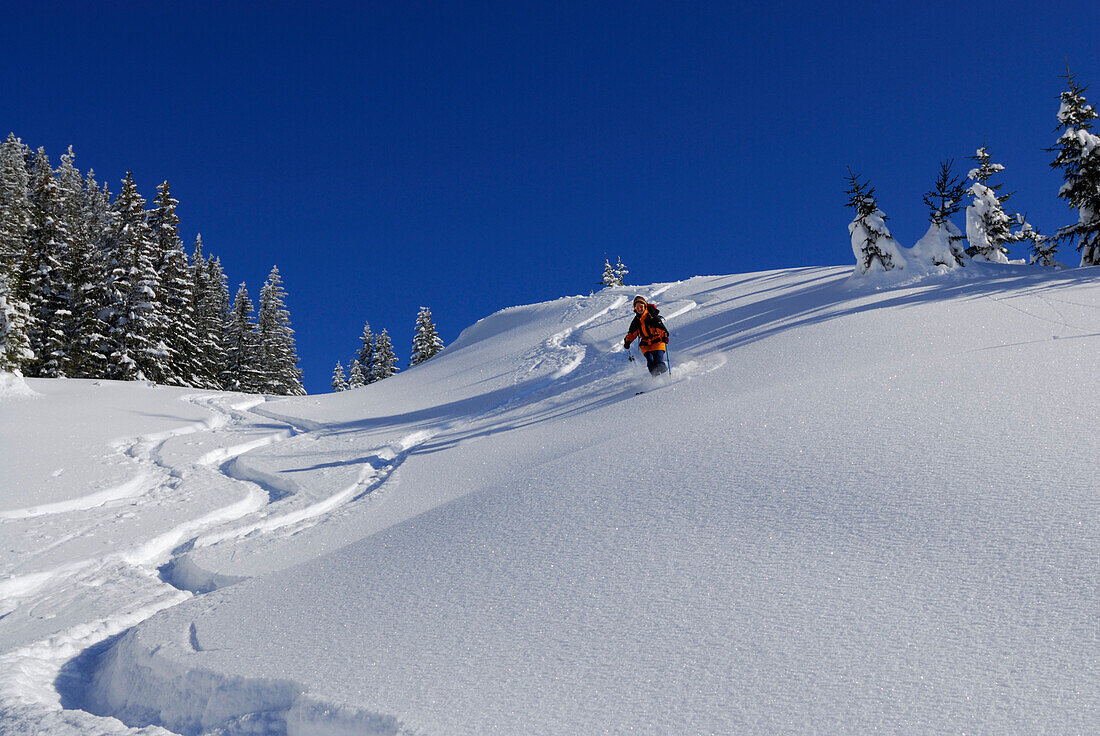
<point x="100" y="286"/>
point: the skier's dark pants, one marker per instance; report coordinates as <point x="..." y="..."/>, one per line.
<point x="655" y="361"/>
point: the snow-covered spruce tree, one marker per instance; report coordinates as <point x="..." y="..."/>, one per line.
<point x="874" y="248"/>
<point x="614" y="275"/>
<point x="220" y="313"/>
<point x="988" y="228"/>
<point x="620" y="271"/>
<point x="138" y="351"/>
<point x="211" y="300"/>
<point x="85" y="271"/>
<point x="15" y="223"/>
<point x="99" y="225"/>
<point x="609" y="278"/>
<point x="97" y="212"/>
<point x="278" y="353"/>
<point x="98" y="221"/>
<point x="356" y="379"/>
<point x="15" y="212"/>
<point x="48" y="291"/>
<point x="339" y="382"/>
<point x="15" y="348"/>
<point x="200" y="289"/>
<point x="385" y="361"/>
<point x="242" y="371"/>
<point x="176" y="281"/>
<point x="426" y="342"/>
<point x="943" y="244"/>
<point x="1078" y="156"/>
<point x="1041" y="249"/>
<point x="365" y="357"/>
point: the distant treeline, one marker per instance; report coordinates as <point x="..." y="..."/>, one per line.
<point x="990" y="228"/>
<point x="95" y="287"/>
<point x="376" y="359"/>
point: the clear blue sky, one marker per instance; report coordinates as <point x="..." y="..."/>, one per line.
<point x="474" y="156"/>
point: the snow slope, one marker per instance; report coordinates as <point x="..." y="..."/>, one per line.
<point x="849" y="510"/>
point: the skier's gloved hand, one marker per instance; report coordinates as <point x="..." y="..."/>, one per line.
<point x="626" y="345"/>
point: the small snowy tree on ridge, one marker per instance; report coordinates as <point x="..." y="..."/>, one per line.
<point x="620" y="271"/>
<point x="988" y="228"/>
<point x="609" y="278"/>
<point x="874" y="248"/>
<point x="614" y="275"/>
<point x="943" y="244"/>
<point x="339" y="382"/>
<point x="385" y="360"/>
<point x="426" y="342"/>
<point x="365" y="357"/>
<point x="356" y="380"/>
<point x="1078" y="150"/>
<point x="1041" y="248"/>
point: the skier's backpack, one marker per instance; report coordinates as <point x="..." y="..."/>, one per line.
<point x="652" y="309"/>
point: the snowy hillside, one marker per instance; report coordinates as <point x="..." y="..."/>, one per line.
<point x="847" y="512"/>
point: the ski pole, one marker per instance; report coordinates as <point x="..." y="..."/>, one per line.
<point x="668" y="357"/>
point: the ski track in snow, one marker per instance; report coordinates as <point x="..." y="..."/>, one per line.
<point x="566" y="349"/>
<point x="569" y="353"/>
<point x="1059" y="319"/>
<point x="376" y="470"/>
<point x="282" y="708"/>
<point x="29" y="700"/>
<point x="134" y="487"/>
<point x="690" y="305"/>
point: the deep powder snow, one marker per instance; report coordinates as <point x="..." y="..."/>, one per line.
<point x="848" y="510"/>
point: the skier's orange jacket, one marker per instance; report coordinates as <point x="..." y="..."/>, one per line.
<point x="651" y="328"/>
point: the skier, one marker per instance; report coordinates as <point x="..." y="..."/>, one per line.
<point x="648" y="325"/>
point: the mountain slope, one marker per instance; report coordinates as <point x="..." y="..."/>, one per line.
<point x="846" y="511"/>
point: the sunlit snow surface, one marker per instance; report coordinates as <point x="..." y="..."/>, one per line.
<point x="849" y="510"/>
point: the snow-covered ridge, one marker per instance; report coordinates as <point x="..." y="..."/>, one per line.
<point x="851" y="509"/>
